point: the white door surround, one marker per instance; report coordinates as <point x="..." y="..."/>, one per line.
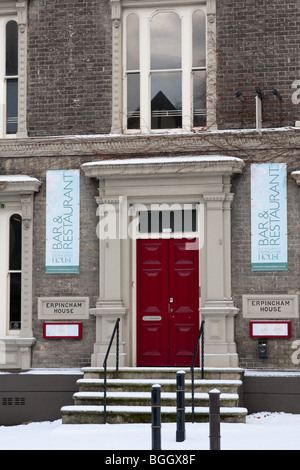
<point x="124" y="185"/>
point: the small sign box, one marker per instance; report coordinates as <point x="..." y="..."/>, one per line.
<point x="270" y="329"/>
<point x="62" y="330"/>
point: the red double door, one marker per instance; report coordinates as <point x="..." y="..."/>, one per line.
<point x="167" y="301"/>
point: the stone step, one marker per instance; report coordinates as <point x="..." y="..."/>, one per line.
<point x="144" y="399"/>
<point x="168" y="385"/>
<point x="163" y="373"/>
<point x="129" y="395"/>
<point x="142" y="414"/>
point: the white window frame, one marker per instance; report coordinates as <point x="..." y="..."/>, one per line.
<point x="120" y="11"/>
<point x="14" y="11"/>
<point x="16" y="195"/>
<point x="5" y="215"/>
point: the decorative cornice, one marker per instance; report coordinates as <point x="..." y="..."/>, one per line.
<point x="19" y="184"/>
<point x="162" y="166"/>
<point x="241" y="143"/>
<point x="296" y="176"/>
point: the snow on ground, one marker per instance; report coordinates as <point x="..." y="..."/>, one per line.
<point x="262" y="431"/>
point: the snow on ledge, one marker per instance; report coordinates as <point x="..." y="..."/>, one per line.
<point x="17" y="179"/>
<point x="46" y="371"/>
<point x="272" y="373"/>
<point x="163" y="160"/>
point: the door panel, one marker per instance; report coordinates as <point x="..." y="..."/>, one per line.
<point x="167" y="302"/>
<point x="184" y="290"/>
<point x="152" y="301"/>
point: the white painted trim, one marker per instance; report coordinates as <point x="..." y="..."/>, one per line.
<point x="203" y="180"/>
<point x="16" y="192"/>
<point x="120" y="10"/>
<point x="16" y="11"/>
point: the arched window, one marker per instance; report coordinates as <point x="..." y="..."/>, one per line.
<point x="15" y="271"/>
<point x="11" y="77"/>
<point x="165" y="64"/>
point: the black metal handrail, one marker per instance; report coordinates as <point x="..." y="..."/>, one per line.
<point x="200" y="336"/>
<point x="115" y="331"/>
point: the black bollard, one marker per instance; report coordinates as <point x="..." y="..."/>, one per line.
<point x="156" y="417"/>
<point x="214" y="420"/>
<point x="180" y="389"/>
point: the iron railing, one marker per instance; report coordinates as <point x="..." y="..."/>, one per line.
<point x="200" y="337"/>
<point x="115" y="331"/>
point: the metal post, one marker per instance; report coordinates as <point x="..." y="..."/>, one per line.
<point x="214" y="420"/>
<point x="180" y="417"/>
<point x="180" y="389"/>
<point x="193" y="395"/>
<point x="156" y="416"/>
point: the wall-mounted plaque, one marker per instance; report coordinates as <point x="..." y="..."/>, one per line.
<point x="63" y="308"/>
<point x="270" y="329"/>
<point x="62" y="330"/>
<point x="270" y="306"/>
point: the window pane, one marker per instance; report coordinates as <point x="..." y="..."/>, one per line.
<point x="133" y="101"/>
<point x="15" y="302"/>
<point x="11" y="48"/>
<point x="199" y="39"/>
<point x="12" y="106"/>
<point x="15" y="243"/>
<point x="168" y="221"/>
<point x="199" y="90"/>
<point x="133" y="40"/>
<point x="165" y="41"/>
<point x="166" y="100"/>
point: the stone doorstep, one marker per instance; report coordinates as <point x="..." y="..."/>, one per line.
<point x="126" y="395"/>
<point x="164" y="372"/>
<point x="142" y="414"/>
<point x="144" y="385"/>
<point x="144" y="398"/>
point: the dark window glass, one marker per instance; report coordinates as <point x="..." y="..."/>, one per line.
<point x="15" y="243"/>
<point x="199" y="39"/>
<point x="133" y="73"/>
<point x="166" y="100"/>
<point x="11" y="48"/>
<point x="199" y="68"/>
<point x="133" y="101"/>
<point x="165" y="41"/>
<point x="168" y="221"/>
<point x="199" y="97"/>
<point x="166" y="76"/>
<point x="12" y="106"/>
<point x="15" y="278"/>
<point x="15" y="301"/>
<point x="133" y="42"/>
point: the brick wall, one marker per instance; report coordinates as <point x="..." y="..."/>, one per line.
<point x="69" y="92"/>
<point x="257" y="46"/>
<point x="246" y="282"/>
<point x="69" y="85"/>
<point x="69" y="67"/>
<point x="49" y="352"/>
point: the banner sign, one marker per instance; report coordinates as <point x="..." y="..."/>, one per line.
<point x="62" y="222"/>
<point x="269" y="217"/>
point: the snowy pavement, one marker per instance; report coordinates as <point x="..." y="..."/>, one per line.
<point x="262" y="431"/>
